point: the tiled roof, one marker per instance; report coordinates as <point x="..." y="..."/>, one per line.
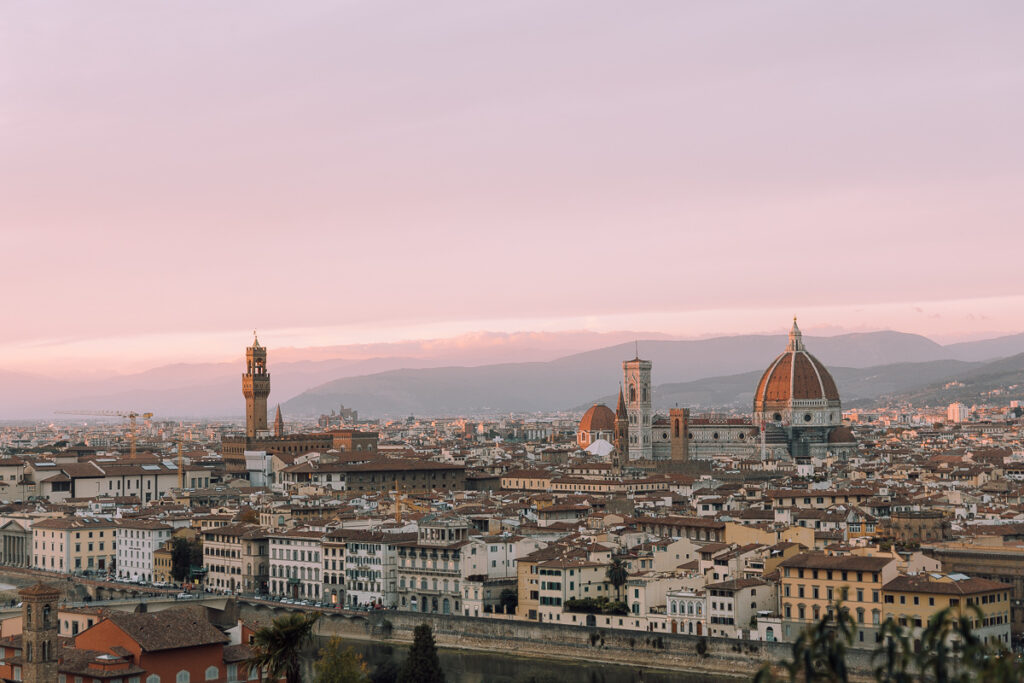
<point x="168" y="630"/>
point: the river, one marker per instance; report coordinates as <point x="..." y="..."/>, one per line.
<point x="471" y="666"/>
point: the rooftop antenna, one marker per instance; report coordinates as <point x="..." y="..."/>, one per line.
<point x="636" y="346"/>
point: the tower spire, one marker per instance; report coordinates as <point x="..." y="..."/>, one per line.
<point x="255" y="388"/>
<point x="278" y="422"/>
<point x="796" y="341"/>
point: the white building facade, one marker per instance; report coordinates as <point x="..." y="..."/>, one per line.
<point x="136" y="541"/>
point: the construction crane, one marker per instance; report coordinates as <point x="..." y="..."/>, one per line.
<point x="401" y="500"/>
<point x="181" y="464"/>
<point x="130" y="414"/>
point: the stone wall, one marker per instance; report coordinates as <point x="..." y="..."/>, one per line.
<point x="663" y="651"/>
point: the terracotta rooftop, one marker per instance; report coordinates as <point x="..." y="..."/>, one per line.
<point x="168" y="630"/>
<point x="598" y="418"/>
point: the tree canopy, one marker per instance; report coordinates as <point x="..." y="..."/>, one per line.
<point x="339" y="664"/>
<point x="422" y="665"/>
<point x="277" y="649"/>
<point x="185" y="554"/>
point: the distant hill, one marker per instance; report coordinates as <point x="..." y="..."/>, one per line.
<point x="445" y="383"/>
<point x="1001" y="380"/>
<point x="728" y="366"/>
<point x="179" y="390"/>
<point x="987" y="349"/>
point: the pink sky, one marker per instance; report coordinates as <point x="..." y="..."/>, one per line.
<point x="174" y="174"/>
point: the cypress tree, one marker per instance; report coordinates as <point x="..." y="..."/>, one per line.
<point x="422" y="664"/>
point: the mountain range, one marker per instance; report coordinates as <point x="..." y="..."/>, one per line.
<point x="709" y="373"/>
<point x="705" y="374"/>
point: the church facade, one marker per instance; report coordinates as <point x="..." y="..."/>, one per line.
<point x="797" y="414"/>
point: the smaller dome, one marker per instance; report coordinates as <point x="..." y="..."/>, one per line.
<point x="842" y="434"/>
<point x="598" y="418"/>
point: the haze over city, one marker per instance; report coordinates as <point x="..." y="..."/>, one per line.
<point x="511" y="341"/>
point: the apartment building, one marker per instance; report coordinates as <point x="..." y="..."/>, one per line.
<point x="236" y="558"/>
<point x="732" y="606"/>
<point x="296" y="564"/>
<point x="430" y="568"/>
<point x="137" y="541"/>
<point x="74" y="545"/>
<point x="912" y="600"/>
<point x="812" y="582"/>
<point x="333" y="573"/>
<point x="371" y="561"/>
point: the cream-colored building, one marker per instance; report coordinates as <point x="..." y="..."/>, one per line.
<point x="74" y="545"/>
<point x="813" y="582"/>
<point x="912" y="600"/>
<point x="236" y="558"/>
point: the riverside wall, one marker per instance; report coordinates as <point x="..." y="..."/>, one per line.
<point x="693" y="654"/>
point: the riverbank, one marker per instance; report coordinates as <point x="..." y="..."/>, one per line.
<point x="699" y="658"/>
<point x="471" y="665"/>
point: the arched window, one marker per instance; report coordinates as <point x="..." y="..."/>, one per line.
<point x="152" y="678"/>
<point x="632" y="393"/>
<point x="212" y="673"/>
<point x="183" y="677"/>
<point x="46" y="616"/>
<point x="677" y="428"/>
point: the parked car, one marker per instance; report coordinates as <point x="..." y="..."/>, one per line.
<point x="185" y="596"/>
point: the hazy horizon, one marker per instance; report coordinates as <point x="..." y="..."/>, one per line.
<point x="174" y="175"/>
<point x="470" y="349"/>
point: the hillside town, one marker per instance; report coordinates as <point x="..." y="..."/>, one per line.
<point x="744" y="527"/>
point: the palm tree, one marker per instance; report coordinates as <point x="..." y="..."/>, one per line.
<point x="277" y="649"/>
<point x="618" y="574"/>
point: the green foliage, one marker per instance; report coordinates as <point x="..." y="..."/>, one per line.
<point x="340" y="665"/>
<point x="948" y="652"/>
<point x="422" y="665"/>
<point x="509" y="600"/>
<point x="277" y="649"/>
<point x="386" y="672"/>
<point x="596" y="606"/>
<point x="618" y="574"/>
<point x="185" y="554"/>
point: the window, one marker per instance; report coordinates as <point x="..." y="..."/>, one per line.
<point x="152" y="678"/>
<point x="183" y="677"/>
<point x="212" y="673"/>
